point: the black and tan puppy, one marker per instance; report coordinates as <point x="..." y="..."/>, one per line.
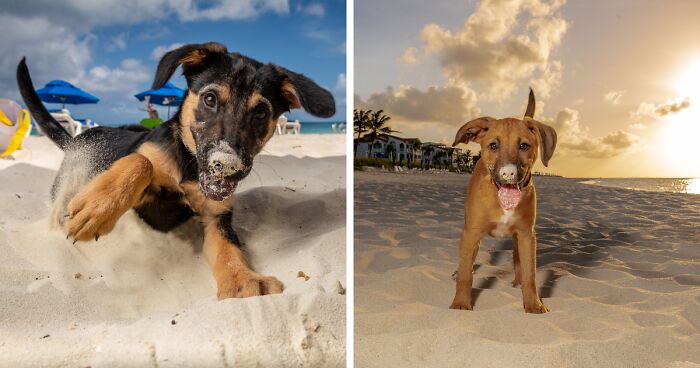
<point x="189" y="165"/>
<point x="501" y="197"/>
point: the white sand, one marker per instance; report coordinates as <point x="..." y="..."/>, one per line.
<point x="144" y="298"/>
<point x="619" y="269"/>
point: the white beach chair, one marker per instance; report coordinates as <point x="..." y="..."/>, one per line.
<point x="293" y="127"/>
<point x="281" y="124"/>
<point x="74" y="126"/>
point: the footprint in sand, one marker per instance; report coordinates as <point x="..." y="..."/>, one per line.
<point x="654" y="319"/>
<point x="396" y="252"/>
<point x="426" y="222"/>
<point x="400" y="253"/>
<point x="389" y="236"/>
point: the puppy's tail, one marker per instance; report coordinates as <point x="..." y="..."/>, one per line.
<point x="530" y="111"/>
<point x="46" y="122"/>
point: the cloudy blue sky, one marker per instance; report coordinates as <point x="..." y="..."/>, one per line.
<point x="111" y="48"/>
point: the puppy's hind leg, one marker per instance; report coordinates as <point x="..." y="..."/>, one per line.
<point x="95" y="210"/>
<point x="73" y="175"/>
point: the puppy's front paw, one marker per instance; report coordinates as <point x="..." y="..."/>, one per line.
<point x="461" y="304"/>
<point x="536" y="308"/>
<point x="247" y="284"/>
<point x="91" y="216"/>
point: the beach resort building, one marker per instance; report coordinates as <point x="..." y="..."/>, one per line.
<point x="385" y="146"/>
<point x="408" y="151"/>
<point x="414" y="150"/>
<point x="438" y="154"/>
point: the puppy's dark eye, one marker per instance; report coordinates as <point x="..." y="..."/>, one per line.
<point x="493" y="146"/>
<point x="524" y="146"/>
<point x="209" y="99"/>
<point x="261" y="113"/>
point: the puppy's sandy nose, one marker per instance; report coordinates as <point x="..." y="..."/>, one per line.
<point x="508" y="173"/>
<point x="223" y="164"/>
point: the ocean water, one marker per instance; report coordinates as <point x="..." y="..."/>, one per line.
<point x="673" y="185"/>
<point x="318" y="127"/>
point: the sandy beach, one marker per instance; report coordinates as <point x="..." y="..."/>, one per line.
<point x="142" y="298"/>
<point x="619" y="269"/>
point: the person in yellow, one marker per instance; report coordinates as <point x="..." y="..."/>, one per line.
<point x="14" y="126"/>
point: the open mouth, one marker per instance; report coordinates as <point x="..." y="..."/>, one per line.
<point x="508" y="196"/>
<point x="215" y="188"/>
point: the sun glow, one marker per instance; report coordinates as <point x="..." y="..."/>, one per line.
<point x="681" y="133"/>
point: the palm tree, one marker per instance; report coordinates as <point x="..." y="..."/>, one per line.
<point x="467" y="158"/>
<point x="437" y="157"/>
<point x="475" y="159"/>
<point x="360" y="119"/>
<point x="375" y="126"/>
<point x="427" y="151"/>
<point x="390" y="151"/>
<point x="416" y="147"/>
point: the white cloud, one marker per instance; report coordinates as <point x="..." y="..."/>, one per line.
<point x="500" y="45"/>
<point x="339" y="92"/>
<point x="440" y="105"/>
<point x="52" y="51"/>
<point x="410" y="56"/>
<point x="575" y="140"/>
<point x="85" y="14"/>
<point x="340" y="83"/>
<point x="117" y="42"/>
<point x="548" y="80"/>
<point x="152" y="33"/>
<point x="56" y="36"/>
<point x="613" y="97"/>
<point x="317" y="34"/>
<point x="127" y="77"/>
<point x="646" y="109"/>
<point x="315" y="9"/>
<point x="228" y="9"/>
<point x="159" y="51"/>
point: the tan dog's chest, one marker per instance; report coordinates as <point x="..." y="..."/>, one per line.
<point x="502" y="227"/>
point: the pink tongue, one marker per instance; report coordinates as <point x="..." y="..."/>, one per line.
<point x="509" y="197"/>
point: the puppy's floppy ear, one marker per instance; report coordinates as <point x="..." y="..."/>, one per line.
<point x="547" y="137"/>
<point x="473" y="130"/>
<point x="189" y="56"/>
<point x="301" y="92"/>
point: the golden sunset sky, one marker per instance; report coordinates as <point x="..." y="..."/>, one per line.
<point x="619" y="80"/>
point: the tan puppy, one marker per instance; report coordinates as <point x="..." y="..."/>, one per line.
<point x="501" y="197"/>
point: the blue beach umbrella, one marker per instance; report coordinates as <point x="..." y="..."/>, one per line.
<point x="58" y="91"/>
<point x="168" y="95"/>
